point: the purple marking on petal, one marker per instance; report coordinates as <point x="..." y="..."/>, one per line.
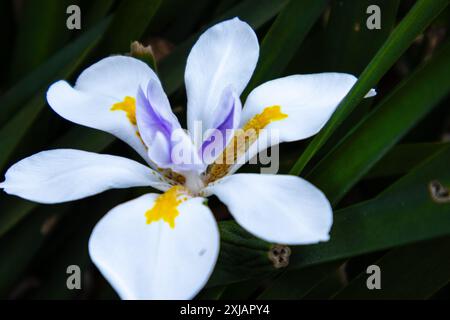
<point x="155" y="122"/>
<point x="158" y="128"/>
<point x="221" y="128"/>
<point x="225" y="121"/>
<point x="150" y="121"/>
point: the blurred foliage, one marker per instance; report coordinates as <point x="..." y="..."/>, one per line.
<point x="374" y="160"/>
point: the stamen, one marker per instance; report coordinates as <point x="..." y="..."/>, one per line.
<point x="172" y="176"/>
<point x="166" y="206"/>
<point x="242" y="141"/>
<point x="128" y="105"/>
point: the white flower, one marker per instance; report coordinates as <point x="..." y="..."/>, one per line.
<point x="166" y="246"/>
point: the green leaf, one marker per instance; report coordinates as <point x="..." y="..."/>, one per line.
<point x="245" y="290"/>
<point x="16" y="128"/>
<point x="367" y="227"/>
<point x="41" y="32"/>
<point x="296" y="284"/>
<point x="403" y="158"/>
<point x="383" y="127"/>
<point x="214" y="293"/>
<point x="13" y="211"/>
<point x="383" y="223"/>
<point x="94" y="11"/>
<point x="130" y="22"/>
<point x="341" y="42"/>
<point x="194" y="13"/>
<point x="52" y="69"/>
<point x="168" y="12"/>
<point x="83" y="138"/>
<point x="240" y="254"/>
<point x="24" y="241"/>
<point x="223" y="6"/>
<point x="414" y="272"/>
<point x="68" y="245"/>
<point x="284" y="38"/>
<point x="347" y="36"/>
<point x="352" y="44"/>
<point x="417" y="19"/>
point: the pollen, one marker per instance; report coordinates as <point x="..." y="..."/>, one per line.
<point x="166" y="206"/>
<point x="128" y="105"/>
<point x="242" y="141"/>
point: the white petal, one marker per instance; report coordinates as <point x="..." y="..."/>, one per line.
<point x="277" y="208"/>
<point x="97" y="89"/>
<point x="225" y="55"/>
<point x="64" y="175"/>
<point x="308" y="100"/>
<point x="155" y="261"/>
<point x="116" y="77"/>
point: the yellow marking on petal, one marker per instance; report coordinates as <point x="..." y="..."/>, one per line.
<point x="263" y="119"/>
<point x="129" y="106"/>
<point x="166" y="206"/>
<point x="242" y="141"/>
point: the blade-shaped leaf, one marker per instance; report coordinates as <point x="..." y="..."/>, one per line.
<point x="130" y="21"/>
<point x="241" y="257"/>
<point x="414" y="272"/>
<point x="353" y="44"/>
<point x="52" y="69"/>
<point x="404" y="213"/>
<point x="295" y="284"/>
<point x="383" y="127"/>
<point x="68" y="245"/>
<point x="24" y="241"/>
<point x="403" y="158"/>
<point x="418" y="18"/>
<point x="41" y="32"/>
<point x="15" y="129"/>
<point x="284" y="38"/>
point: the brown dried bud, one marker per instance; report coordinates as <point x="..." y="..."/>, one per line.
<point x="279" y="255"/>
<point x="143" y="53"/>
<point x="138" y="49"/>
<point x="438" y="192"/>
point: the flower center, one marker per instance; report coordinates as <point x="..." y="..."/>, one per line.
<point x="193" y="182"/>
<point x="128" y="105"/>
<point x="166" y="206"/>
<point x="242" y="141"/>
